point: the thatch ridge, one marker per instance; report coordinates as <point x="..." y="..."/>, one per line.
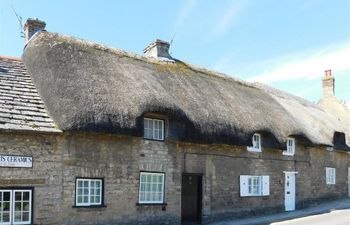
<point x="91" y="87"/>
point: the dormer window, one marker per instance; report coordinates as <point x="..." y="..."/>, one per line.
<point x="256" y="143"/>
<point x="153" y="129"/>
<point x="290" y="147"/>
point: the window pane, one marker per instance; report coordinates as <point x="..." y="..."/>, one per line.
<point x="5" y="217"/>
<point x="26" y="196"/>
<point x="86" y="183"/>
<point x="149" y="177"/>
<point x="26" y="206"/>
<point x="18" y="217"/>
<point x="18" y="196"/>
<point x="6" y="206"/>
<point x="80" y="183"/>
<point x="80" y="199"/>
<point x="6" y="196"/>
<point x="25" y="216"/>
<point x="18" y="206"/>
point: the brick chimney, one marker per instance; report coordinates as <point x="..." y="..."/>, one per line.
<point x="328" y="84"/>
<point x="32" y="26"/>
<point x="158" y="49"/>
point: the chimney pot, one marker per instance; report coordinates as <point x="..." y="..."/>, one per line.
<point x="158" y="49"/>
<point x="328" y="84"/>
<point x="32" y="26"/>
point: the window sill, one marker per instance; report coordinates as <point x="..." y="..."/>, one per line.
<point x="253" y="149"/>
<point x="89" y="206"/>
<point x="147" y="204"/>
<point x="150" y="139"/>
<point x="287" y="154"/>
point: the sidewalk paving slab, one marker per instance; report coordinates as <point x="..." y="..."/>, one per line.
<point x="314" y="210"/>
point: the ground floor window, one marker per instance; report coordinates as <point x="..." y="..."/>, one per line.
<point x="254" y="185"/>
<point x="15" y="206"/>
<point x="330" y="175"/>
<point x="151" y="188"/>
<point x="88" y="192"/>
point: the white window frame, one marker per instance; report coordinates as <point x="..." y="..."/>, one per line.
<point x="89" y="192"/>
<point x="290" y="147"/>
<point x="154" y="130"/>
<point x="254" y="148"/>
<point x="330" y="175"/>
<point x="13" y="209"/>
<point x="246" y="182"/>
<point x="162" y="187"/>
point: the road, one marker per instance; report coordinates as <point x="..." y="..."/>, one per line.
<point x="336" y="217"/>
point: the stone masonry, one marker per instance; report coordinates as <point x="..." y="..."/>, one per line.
<point x="59" y="158"/>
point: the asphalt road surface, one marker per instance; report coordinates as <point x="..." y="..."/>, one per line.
<point x="336" y="217"/>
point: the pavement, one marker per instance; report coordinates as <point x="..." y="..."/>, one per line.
<point x="342" y="205"/>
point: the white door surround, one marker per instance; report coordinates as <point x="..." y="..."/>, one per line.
<point x="289" y="190"/>
<point x="349" y="181"/>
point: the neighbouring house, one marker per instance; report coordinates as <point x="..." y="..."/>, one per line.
<point x="95" y="135"/>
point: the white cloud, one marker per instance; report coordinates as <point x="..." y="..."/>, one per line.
<point x="311" y="66"/>
<point x="229" y="18"/>
<point x="185" y="12"/>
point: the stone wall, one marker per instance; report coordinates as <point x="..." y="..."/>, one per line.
<point x="58" y="159"/>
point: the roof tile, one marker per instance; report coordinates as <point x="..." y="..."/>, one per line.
<point x="20" y="105"/>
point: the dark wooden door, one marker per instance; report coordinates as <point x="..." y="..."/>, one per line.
<point x="191" y="199"/>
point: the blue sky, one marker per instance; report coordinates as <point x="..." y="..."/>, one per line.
<point x="284" y="43"/>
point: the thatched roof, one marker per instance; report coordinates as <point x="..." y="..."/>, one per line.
<point x="90" y="87"/>
<point x="20" y="105"/>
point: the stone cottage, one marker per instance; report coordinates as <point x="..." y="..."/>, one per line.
<point x="95" y="135"/>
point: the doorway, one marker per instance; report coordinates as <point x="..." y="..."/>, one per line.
<point x="349" y="181"/>
<point x="289" y="191"/>
<point x="191" y="199"/>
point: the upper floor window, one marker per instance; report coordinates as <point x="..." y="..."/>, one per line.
<point x="330" y="175"/>
<point x="88" y="192"/>
<point x="153" y="129"/>
<point x="290" y="147"/>
<point x="256" y="143"/>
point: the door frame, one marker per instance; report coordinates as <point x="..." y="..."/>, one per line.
<point x="349" y="182"/>
<point x="200" y="194"/>
<point x="295" y="188"/>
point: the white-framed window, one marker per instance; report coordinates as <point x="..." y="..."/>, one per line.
<point x="254" y="185"/>
<point x="151" y="189"/>
<point x="330" y="175"/>
<point x="88" y="192"/>
<point x="256" y="143"/>
<point x="15" y="206"/>
<point x="290" y="147"/>
<point x="153" y="129"/>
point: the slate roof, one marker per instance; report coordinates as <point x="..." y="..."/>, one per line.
<point x="21" y="108"/>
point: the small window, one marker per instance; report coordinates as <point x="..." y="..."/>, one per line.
<point x="254" y="185"/>
<point x="88" y="192"/>
<point x="153" y="129"/>
<point x="330" y="175"/>
<point x="151" y="188"/>
<point x="256" y="144"/>
<point x="290" y="147"/>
